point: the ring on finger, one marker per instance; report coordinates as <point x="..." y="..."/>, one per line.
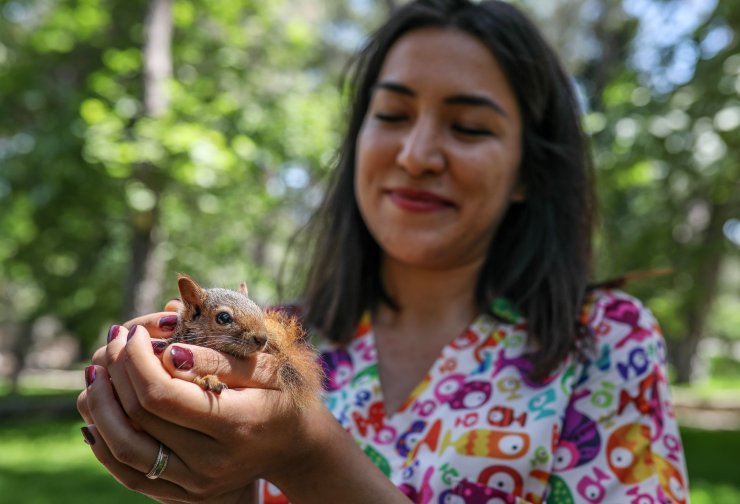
<point x="160" y="464"/>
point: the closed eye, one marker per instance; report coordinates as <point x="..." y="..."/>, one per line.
<point x="392" y="118"/>
<point x="472" y="131"/>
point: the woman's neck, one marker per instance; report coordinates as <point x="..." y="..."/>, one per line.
<point x="427" y="297"/>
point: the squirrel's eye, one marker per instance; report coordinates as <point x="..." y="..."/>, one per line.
<point x="224" y="318"/>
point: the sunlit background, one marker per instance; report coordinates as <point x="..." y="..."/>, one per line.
<point x="130" y="152"/>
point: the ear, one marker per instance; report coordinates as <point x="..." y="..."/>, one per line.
<point x="190" y="292"/>
<point x="243" y="289"/>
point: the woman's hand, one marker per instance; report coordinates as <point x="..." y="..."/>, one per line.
<point x="213" y="438"/>
<point x="220" y="444"/>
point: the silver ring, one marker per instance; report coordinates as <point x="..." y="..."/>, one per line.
<point x="160" y="464"/>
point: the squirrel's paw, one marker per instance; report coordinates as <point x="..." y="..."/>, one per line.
<point x="210" y="382"/>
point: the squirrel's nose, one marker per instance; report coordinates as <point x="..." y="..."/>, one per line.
<point x="260" y="340"/>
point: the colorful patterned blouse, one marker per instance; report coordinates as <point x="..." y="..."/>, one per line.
<point x="600" y="429"/>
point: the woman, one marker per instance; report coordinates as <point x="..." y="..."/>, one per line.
<point x="465" y="355"/>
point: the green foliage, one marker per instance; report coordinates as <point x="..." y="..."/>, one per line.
<point x="668" y="182"/>
<point x="251" y="122"/>
<point x="236" y="162"/>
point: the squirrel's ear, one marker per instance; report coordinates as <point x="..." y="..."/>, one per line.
<point x="190" y="292"/>
<point x="243" y="289"/>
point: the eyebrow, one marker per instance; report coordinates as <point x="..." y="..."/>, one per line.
<point x="459" y="99"/>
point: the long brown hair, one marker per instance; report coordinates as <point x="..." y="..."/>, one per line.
<point x="540" y="257"/>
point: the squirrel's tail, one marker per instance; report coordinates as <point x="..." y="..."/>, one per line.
<point x="299" y="372"/>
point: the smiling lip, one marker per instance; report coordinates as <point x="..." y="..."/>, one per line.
<point x="418" y="201"/>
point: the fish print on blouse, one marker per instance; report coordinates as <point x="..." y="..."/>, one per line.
<point x="478" y="429"/>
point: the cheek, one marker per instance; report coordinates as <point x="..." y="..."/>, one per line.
<point x="373" y="157"/>
<point x="493" y="176"/>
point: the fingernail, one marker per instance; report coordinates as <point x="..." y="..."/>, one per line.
<point x="182" y="358"/>
<point x="168" y="322"/>
<point x="158" y="346"/>
<point x="87" y="435"/>
<point x="113" y="332"/>
<point x="131" y="332"/>
<point x="89" y="375"/>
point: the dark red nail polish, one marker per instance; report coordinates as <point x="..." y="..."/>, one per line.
<point x="168" y="322"/>
<point x="158" y="346"/>
<point x="87" y="435"/>
<point x="113" y="332"/>
<point x="131" y="332"/>
<point x="89" y="375"/>
<point x="182" y="358"/>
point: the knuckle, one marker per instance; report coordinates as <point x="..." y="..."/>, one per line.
<point x="129" y="481"/>
<point x="205" y="489"/>
<point x="100" y="357"/>
<point x="123" y="453"/>
<point x="136" y="411"/>
<point x="203" y="483"/>
<point x="153" y="398"/>
<point x="82" y="407"/>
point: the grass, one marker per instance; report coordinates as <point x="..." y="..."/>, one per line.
<point x="711" y="388"/>
<point x="46" y="461"/>
<point x="713" y="464"/>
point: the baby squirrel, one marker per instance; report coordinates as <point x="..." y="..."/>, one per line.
<point x="230" y="322"/>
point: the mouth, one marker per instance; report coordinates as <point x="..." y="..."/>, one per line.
<point x="415" y="200"/>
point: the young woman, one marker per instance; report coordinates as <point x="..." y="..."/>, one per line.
<point x="467" y="359"/>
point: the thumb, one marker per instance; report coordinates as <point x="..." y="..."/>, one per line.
<point x="188" y="362"/>
<point x="173" y="305"/>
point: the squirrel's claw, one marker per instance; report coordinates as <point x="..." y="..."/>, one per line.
<point x="210" y="382"/>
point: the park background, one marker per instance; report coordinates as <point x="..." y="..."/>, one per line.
<point x="139" y="139"/>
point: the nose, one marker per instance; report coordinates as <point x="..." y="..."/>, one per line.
<point x="260" y="340"/>
<point x="421" y="150"/>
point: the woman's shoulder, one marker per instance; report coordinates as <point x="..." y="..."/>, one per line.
<point x="618" y="319"/>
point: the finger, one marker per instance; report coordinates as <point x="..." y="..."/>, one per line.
<point x="129" y="476"/>
<point x="179" y="401"/>
<point x="150" y="407"/>
<point x="188" y="362"/>
<point x="158" y="325"/>
<point x="173" y="305"/>
<point x="127" y="446"/>
<point x="123" y="389"/>
<point x="100" y="357"/>
<point x="82" y="406"/>
<point x="147" y="390"/>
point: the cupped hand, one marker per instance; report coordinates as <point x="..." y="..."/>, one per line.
<point x="140" y="394"/>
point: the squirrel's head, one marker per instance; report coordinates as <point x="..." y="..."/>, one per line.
<point x="222" y="312"/>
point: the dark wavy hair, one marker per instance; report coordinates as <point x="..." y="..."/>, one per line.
<point x="540" y="256"/>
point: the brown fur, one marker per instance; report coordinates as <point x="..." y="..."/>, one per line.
<point x="251" y="330"/>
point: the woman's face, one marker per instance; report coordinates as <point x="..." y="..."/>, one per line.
<point x="438" y="151"/>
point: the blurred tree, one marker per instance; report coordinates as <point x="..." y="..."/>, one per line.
<point x="56" y="245"/>
<point x="215" y="180"/>
<point x="665" y="128"/>
<point x="89" y="161"/>
<point x="660" y="86"/>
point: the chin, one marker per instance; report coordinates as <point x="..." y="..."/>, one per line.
<point x="431" y="259"/>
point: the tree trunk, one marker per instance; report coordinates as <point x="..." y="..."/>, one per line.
<point x="706" y="283"/>
<point x="22" y="339"/>
<point x="614" y="38"/>
<point x="145" y="278"/>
